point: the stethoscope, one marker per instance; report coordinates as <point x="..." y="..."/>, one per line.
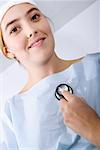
<point x="60" y="87"/>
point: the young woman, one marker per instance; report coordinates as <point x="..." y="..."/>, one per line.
<point x="35" y="119"/>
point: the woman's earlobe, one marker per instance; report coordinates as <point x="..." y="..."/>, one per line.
<point x="7" y="53"/>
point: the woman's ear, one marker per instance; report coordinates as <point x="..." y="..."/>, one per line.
<point x="7" y="53"/>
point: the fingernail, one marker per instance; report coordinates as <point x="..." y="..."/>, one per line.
<point x="61" y="90"/>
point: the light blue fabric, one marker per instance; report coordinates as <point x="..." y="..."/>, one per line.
<point x="35" y="118"/>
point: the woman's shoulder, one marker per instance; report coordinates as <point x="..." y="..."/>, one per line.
<point x="97" y="54"/>
<point x="92" y="60"/>
<point x="11" y="102"/>
<point x="87" y="66"/>
<point x="92" y="56"/>
<point x="83" y="59"/>
<point x="90" y="65"/>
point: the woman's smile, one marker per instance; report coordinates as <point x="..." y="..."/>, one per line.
<point x="38" y="42"/>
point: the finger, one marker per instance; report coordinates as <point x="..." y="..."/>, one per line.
<point x="82" y="99"/>
<point x="67" y="95"/>
<point x="63" y="101"/>
<point x="63" y="104"/>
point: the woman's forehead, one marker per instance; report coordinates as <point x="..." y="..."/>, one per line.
<point x="19" y="8"/>
<point x="6" y="4"/>
<point x="17" y="11"/>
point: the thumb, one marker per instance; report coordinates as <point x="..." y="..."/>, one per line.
<point x="67" y="95"/>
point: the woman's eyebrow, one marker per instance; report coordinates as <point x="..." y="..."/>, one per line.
<point x="11" y="22"/>
<point x="32" y="9"/>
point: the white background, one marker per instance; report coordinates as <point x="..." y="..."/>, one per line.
<point x="78" y="37"/>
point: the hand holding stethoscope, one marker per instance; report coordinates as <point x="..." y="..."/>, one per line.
<point x="77" y="114"/>
<point x="60" y="88"/>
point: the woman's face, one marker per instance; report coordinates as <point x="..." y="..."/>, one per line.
<point x="27" y="34"/>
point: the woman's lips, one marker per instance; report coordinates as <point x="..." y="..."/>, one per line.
<point x="38" y="43"/>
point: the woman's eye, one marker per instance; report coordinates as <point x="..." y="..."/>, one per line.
<point x="14" y="30"/>
<point x="35" y="17"/>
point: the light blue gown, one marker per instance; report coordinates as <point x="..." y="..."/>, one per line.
<point x="34" y="120"/>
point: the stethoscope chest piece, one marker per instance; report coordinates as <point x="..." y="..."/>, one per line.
<point x="60" y="87"/>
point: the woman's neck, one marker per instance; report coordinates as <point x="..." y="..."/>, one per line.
<point x="54" y="66"/>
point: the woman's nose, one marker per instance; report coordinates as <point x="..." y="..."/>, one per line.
<point x="30" y="31"/>
<point x="31" y="34"/>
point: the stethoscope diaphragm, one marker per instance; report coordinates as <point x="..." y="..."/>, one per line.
<point x="60" y="87"/>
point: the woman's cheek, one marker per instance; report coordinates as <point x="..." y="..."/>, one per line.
<point x="18" y="44"/>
